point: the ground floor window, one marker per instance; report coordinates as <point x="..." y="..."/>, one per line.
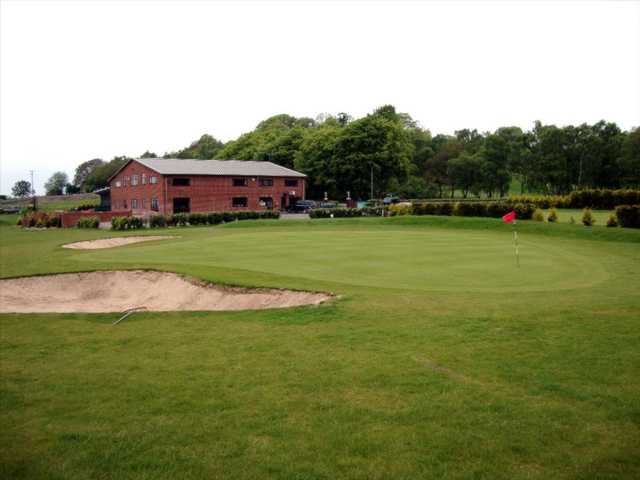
<point x="266" y="202"/>
<point x="124" y="204"/>
<point x="181" y="205"/>
<point x="154" y="204"/>
<point x="239" y="202"/>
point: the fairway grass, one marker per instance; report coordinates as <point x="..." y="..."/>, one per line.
<point x="441" y="359"/>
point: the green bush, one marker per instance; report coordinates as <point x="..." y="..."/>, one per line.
<point x="588" y="219"/>
<point x="39" y="219"/>
<point x="572" y="220"/>
<point x="229" y="217"/>
<point x="157" y="221"/>
<point x="179" y="219"/>
<point x="400" y="209"/>
<point x="628" y="216"/>
<point x="214" y="218"/>
<point x="553" y="215"/>
<point x="612" y="221"/>
<point x="537" y="215"/>
<point x="88" y="222"/>
<point x="470" y="209"/>
<point x="197" y="219"/>
<point x="127" y="223"/>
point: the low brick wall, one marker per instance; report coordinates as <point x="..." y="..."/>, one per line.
<point x="69" y="219"/>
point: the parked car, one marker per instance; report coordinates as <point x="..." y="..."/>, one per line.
<point x="390" y="199"/>
<point x="302" y="206"/>
<point x="328" y="205"/>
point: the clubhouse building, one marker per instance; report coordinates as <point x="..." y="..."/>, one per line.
<point x="168" y="185"/>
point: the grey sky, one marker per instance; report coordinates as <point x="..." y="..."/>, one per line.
<point x="92" y="79"/>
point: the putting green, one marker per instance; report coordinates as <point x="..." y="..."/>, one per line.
<point x="430" y="260"/>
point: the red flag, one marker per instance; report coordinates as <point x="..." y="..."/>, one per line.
<point x="509" y="217"/>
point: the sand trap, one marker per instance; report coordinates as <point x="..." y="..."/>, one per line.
<point x="117" y="291"/>
<point x="114" y="242"/>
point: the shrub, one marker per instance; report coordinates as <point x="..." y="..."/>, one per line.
<point x="39" y="219"/>
<point x="157" y="221"/>
<point x="400" y="209"/>
<point x="553" y="215"/>
<point x="179" y="219"/>
<point x="524" y="211"/>
<point x="214" y="218"/>
<point x="612" y="221"/>
<point x="470" y="209"/>
<point x="628" y="216"/>
<point x="229" y="217"/>
<point x="126" y="223"/>
<point x="572" y="220"/>
<point x="197" y="219"/>
<point x="537" y="215"/>
<point x="88" y="222"/>
<point x="587" y="218"/>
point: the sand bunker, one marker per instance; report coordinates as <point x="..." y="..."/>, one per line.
<point x="117" y="291"/>
<point x="114" y="242"/>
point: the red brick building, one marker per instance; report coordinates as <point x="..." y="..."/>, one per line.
<point x="165" y="186"/>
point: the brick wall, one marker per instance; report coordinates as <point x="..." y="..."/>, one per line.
<point x="207" y="193"/>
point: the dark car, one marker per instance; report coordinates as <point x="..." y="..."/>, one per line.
<point x="302" y="206"/>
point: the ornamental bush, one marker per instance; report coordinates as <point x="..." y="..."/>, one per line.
<point x="612" y="221"/>
<point x="628" y="216"/>
<point x="88" y="222"/>
<point x="126" y="223"/>
<point x="537" y="215"/>
<point x="400" y="209"/>
<point x="39" y="219"/>
<point x="587" y="218"/>
<point x="553" y="215"/>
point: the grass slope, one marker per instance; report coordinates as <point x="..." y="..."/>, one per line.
<point x="441" y="359"/>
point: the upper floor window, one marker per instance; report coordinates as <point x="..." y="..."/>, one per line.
<point x="134" y="180"/>
<point x="181" y="182"/>
<point x="118" y="183"/>
<point x="239" y="182"/>
<point x="153" y="179"/>
<point x="290" y="183"/>
<point x="143" y="177"/>
<point x="125" y="181"/>
<point x="266" y="182"/>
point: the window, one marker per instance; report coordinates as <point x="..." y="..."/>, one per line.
<point x="181" y="182"/>
<point x="118" y="183"/>
<point x="144" y="179"/>
<point x="124" y="204"/>
<point x="266" y="182"/>
<point x="134" y="180"/>
<point x="134" y="203"/>
<point x="290" y="183"/>
<point x="144" y="203"/>
<point x="126" y="181"/>
<point x="266" y="202"/>
<point x="239" y="182"/>
<point x="153" y="180"/>
<point x="239" y="202"/>
<point x="154" y="204"/>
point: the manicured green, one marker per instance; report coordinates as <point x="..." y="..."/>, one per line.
<point x="440" y="359"/>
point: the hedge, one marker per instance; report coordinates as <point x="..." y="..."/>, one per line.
<point x="88" y="222"/>
<point x="603" y="199"/>
<point x="347" y="212"/>
<point x="211" y="218"/>
<point x="126" y="223"/>
<point x="628" y="216"/>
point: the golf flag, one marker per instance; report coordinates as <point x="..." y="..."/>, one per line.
<point x="509" y="217"/>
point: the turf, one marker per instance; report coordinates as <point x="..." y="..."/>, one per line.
<point x="441" y="359"/>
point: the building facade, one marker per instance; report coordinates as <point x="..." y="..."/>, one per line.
<point x="180" y="186"/>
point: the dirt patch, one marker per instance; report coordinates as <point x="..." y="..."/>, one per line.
<point x="114" y="242"/>
<point x="116" y="291"/>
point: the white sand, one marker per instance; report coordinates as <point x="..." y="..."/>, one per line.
<point x="116" y="291"/>
<point x="114" y="242"/>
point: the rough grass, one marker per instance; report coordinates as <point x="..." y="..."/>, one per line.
<point x="441" y="360"/>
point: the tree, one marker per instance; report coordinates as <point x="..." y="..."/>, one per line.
<point x="70" y="189"/>
<point x="205" y="148"/>
<point x="56" y="183"/>
<point x="464" y="172"/>
<point x="630" y="159"/>
<point x="84" y="170"/>
<point x="99" y="176"/>
<point x="21" y="189"/>
<point x="148" y="154"/>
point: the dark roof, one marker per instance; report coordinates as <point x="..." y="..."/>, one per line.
<point x="177" y="166"/>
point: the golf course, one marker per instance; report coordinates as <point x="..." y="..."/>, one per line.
<point x="436" y="357"/>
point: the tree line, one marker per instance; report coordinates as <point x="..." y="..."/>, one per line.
<point x="340" y="154"/>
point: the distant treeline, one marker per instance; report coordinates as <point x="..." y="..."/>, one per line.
<point x="340" y="153"/>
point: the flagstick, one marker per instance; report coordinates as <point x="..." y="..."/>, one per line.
<point x="515" y="244"/>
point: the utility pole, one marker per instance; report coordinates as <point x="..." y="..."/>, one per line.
<point x="371" y="181"/>
<point x="33" y="192"/>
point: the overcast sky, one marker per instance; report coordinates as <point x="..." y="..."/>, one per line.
<point x="81" y="80"/>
